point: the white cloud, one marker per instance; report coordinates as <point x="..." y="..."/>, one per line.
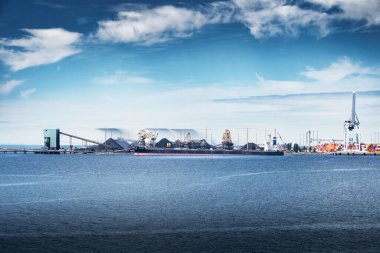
<point x="368" y="10"/>
<point x="121" y="78"/>
<point x="42" y="46"/>
<point x="150" y="26"/>
<point x="26" y="93"/>
<point x="341" y="75"/>
<point x="220" y="12"/>
<point x="339" y="70"/>
<point x="7" y="87"/>
<point x="267" y="18"/>
<point x="264" y="18"/>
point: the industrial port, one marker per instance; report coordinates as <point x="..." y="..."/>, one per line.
<point x="147" y="143"/>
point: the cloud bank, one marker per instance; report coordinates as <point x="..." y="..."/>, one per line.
<point x="339" y="70"/>
<point x="367" y="10"/>
<point x="42" y="46"/>
<point x="263" y="18"/>
<point x="272" y="18"/>
<point x="151" y="26"/>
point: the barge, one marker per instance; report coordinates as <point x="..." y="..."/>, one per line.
<point x="143" y="151"/>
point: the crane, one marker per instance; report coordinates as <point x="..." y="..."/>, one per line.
<point x="227" y="140"/>
<point x="353" y="122"/>
<point x="147" y="138"/>
<point x="352" y="139"/>
<point x="280" y="138"/>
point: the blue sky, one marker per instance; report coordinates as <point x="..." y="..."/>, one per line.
<point x="82" y="65"/>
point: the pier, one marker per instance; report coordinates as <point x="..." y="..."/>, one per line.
<point x="42" y="151"/>
<point x="355" y="153"/>
<point x="61" y="151"/>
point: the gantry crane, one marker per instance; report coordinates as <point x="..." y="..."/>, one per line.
<point x="351" y="128"/>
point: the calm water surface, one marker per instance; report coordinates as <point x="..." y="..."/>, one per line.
<point x="121" y="203"/>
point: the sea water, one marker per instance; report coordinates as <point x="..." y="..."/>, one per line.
<point x="122" y="203"/>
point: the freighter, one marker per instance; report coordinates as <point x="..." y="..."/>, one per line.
<point x="190" y="147"/>
<point x="141" y="151"/>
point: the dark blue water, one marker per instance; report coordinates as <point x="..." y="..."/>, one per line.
<point x="121" y="203"/>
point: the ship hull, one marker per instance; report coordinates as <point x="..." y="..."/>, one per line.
<point x="203" y="152"/>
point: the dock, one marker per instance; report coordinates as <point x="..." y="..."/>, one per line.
<point x="61" y="151"/>
<point x="41" y="151"/>
<point x="350" y="153"/>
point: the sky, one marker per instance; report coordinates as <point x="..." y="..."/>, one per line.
<point x="237" y="64"/>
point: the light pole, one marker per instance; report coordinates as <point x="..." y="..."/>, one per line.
<point x="247" y="133"/>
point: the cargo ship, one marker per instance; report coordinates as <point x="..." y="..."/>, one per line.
<point x="143" y="151"/>
<point x="191" y="147"/>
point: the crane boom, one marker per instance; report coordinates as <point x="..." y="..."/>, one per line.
<point x="353" y="112"/>
<point x="353" y="122"/>
<point x="280" y="138"/>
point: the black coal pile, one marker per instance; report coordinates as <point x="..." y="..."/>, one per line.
<point x="125" y="144"/>
<point x="164" y="143"/>
<point x="251" y="146"/>
<point x="111" y="145"/>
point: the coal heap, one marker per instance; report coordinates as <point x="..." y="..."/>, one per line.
<point x="111" y="145"/>
<point x="164" y="143"/>
<point x="124" y="144"/>
<point x="251" y="146"/>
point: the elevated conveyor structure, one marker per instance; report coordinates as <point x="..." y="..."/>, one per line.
<point x="52" y="139"/>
